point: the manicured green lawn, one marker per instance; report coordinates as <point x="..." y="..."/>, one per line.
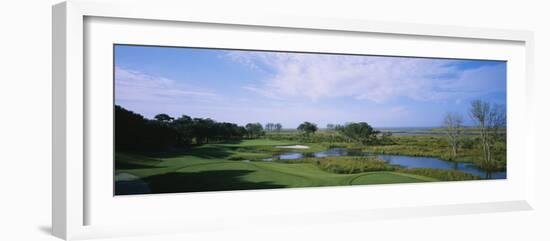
<point x="388" y="177"/>
<point x="218" y="167"/>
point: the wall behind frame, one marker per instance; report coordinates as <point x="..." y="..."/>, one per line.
<point x="25" y="97"/>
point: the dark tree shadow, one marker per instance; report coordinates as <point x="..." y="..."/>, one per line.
<point x="207" y="152"/>
<point x="128" y="161"/>
<point x="121" y="165"/>
<point x="222" y="180"/>
<point x="210" y="152"/>
<point x="230" y="142"/>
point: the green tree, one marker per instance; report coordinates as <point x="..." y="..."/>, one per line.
<point x="164" y="118"/>
<point x="254" y="130"/>
<point x="360" y="132"/>
<point x="270" y="126"/>
<point x="184" y="129"/>
<point x="307" y="128"/>
<point x="134" y="132"/>
<point x="203" y="130"/>
<point x="278" y="127"/>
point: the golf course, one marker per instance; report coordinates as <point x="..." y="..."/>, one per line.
<point x="270" y="162"/>
<point x="190" y="119"/>
<point x="210" y="168"/>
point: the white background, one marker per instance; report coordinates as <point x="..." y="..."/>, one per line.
<point x="189" y="210"/>
<point x="25" y="121"/>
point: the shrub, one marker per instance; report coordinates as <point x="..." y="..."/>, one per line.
<point x="346" y="164"/>
<point x="469" y="143"/>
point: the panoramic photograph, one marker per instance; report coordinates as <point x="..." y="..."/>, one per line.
<point x="201" y="119"/>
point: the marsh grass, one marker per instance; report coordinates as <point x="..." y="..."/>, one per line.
<point x="437" y="146"/>
<point x="346" y="164"/>
<point x="414" y="145"/>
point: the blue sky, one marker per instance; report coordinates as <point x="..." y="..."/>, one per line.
<point x="289" y="88"/>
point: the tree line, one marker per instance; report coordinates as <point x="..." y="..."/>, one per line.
<point x="359" y="132"/>
<point x="135" y="132"/>
<point x="277" y="127"/>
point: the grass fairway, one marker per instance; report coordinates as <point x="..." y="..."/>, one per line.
<point x="388" y="177"/>
<point x="218" y="167"/>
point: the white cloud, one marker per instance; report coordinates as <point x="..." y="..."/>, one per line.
<point x="131" y="85"/>
<point x="372" y="78"/>
<point x="262" y="91"/>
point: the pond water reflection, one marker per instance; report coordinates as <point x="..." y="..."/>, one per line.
<point x="404" y="161"/>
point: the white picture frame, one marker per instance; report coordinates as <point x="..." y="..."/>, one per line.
<point x="76" y="191"/>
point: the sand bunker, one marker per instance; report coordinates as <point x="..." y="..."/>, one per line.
<point x="293" y="147"/>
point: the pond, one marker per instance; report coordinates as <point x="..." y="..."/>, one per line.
<point x="403" y="161"/>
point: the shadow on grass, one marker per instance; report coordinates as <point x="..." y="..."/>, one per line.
<point x="121" y="165"/>
<point x="230" y="142"/>
<point x="127" y="161"/>
<point x="222" y="180"/>
<point x="206" y="152"/>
